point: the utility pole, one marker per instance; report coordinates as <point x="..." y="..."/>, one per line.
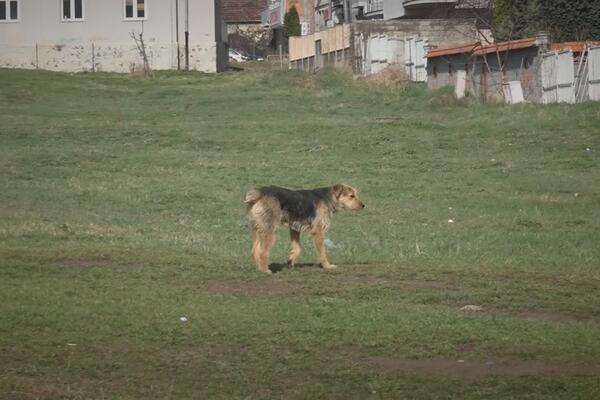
<point x="346" y="5"/>
<point x="187" y="35"/>
<point x="177" y="34"/>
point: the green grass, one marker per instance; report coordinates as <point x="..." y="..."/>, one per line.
<point x="121" y="211"/>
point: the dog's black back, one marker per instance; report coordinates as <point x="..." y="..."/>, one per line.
<point x="299" y="206"/>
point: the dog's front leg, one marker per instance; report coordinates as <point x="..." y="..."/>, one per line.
<point x="318" y="239"/>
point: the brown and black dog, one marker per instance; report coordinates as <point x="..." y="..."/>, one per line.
<point x="301" y="210"/>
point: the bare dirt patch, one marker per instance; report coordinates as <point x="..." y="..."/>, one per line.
<point x="353" y="280"/>
<point x="84" y="262"/>
<point x="549" y="315"/>
<point x="439" y="285"/>
<point x="271" y="286"/>
<point x="373" y="280"/>
<point x="473" y="370"/>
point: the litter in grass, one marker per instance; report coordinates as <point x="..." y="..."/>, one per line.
<point x="471" y="307"/>
<point x="183" y="319"/>
<point x="329" y="243"/>
<point x="450" y="221"/>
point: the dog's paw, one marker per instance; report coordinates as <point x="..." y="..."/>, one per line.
<point x="330" y="266"/>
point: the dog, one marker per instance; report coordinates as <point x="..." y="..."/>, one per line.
<point x="300" y="210"/>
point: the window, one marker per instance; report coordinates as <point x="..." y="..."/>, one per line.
<point x="135" y="9"/>
<point x="9" y="10"/>
<point x="72" y="10"/>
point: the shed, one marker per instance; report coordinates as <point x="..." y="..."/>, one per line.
<point x="488" y="69"/>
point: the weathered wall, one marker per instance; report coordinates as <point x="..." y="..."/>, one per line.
<point x="102" y="40"/>
<point x="519" y="65"/>
<point x="439" y="32"/>
<point x="378" y="44"/>
<point x="442" y="71"/>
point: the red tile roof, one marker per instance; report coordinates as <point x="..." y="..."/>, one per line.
<point x="243" y="10"/>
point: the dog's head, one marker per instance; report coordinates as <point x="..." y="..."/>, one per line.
<point x="347" y="197"/>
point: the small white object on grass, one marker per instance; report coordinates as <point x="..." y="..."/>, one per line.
<point x="450" y="221"/>
<point x="471" y="307"/>
<point x="588" y="149"/>
<point x="329" y="243"/>
<point x="183" y="319"/>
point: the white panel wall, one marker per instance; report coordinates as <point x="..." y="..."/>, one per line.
<point x="594" y="73"/>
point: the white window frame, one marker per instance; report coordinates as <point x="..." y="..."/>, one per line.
<point x="8" y="20"/>
<point x="72" y="19"/>
<point x="135" y="17"/>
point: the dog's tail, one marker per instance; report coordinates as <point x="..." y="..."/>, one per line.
<point x="252" y="197"/>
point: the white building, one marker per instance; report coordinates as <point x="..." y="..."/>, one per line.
<point x="96" y="35"/>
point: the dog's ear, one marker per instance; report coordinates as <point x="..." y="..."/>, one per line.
<point x="338" y="188"/>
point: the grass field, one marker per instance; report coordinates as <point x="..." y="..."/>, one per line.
<point x="121" y="212"/>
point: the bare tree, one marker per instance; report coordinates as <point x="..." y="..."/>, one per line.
<point x="483" y="12"/>
<point x="141" y="46"/>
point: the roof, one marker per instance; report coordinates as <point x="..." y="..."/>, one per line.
<point x="446" y="51"/>
<point x="479" y="49"/>
<point x="505" y="46"/>
<point x="575" y="47"/>
<point x="243" y="10"/>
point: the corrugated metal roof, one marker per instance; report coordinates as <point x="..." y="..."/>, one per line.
<point x="505" y="46"/>
<point x="575" y="47"/>
<point x="460" y="49"/>
<point x="479" y="49"/>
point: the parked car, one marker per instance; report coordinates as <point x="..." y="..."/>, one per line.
<point x="251" y="57"/>
<point x="237" y="55"/>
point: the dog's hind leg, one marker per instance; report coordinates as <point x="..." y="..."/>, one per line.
<point x="265" y="240"/>
<point x="255" y="246"/>
<point x="264" y="217"/>
<point x="295" y="251"/>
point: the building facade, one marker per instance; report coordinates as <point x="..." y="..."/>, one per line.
<point x="97" y="35"/>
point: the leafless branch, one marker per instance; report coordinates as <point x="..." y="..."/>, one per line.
<point x="141" y="46"/>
